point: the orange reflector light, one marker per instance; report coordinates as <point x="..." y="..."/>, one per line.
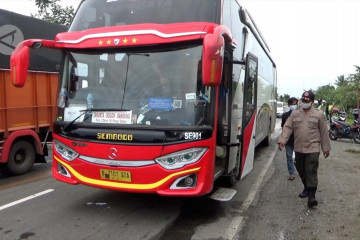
<point x="213" y="67"/>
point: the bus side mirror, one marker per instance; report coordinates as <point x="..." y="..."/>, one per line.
<point x="19" y="64"/>
<point x="212" y="64"/>
<point x="19" y="60"/>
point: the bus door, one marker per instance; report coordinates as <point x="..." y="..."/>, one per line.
<point x="230" y="120"/>
<point x="249" y="115"/>
<point x="235" y="115"/>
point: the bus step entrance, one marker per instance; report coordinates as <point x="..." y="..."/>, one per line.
<point x="223" y="194"/>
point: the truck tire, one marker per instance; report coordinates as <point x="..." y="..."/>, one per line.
<point x="21" y="157"/>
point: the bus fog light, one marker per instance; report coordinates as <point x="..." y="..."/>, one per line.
<point x="62" y="170"/>
<point x="185" y="182"/>
<point x="189" y="181"/>
<point x="180" y="159"/>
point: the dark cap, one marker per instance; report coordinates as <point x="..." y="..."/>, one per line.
<point x="308" y="96"/>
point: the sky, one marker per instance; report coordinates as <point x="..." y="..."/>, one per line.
<point x="27" y="7"/>
<point x="311" y="41"/>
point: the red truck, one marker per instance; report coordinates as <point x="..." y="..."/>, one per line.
<point x="26" y="114"/>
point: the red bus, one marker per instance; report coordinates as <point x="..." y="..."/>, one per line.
<point x="159" y="96"/>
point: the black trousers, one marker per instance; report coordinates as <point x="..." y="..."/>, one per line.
<point x="307" y="165"/>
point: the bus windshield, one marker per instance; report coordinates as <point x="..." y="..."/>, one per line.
<point x="105" y="13"/>
<point x="155" y="87"/>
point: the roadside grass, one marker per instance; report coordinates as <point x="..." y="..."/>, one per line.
<point x="353" y="151"/>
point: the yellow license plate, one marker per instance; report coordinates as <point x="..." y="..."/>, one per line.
<point x="124" y="176"/>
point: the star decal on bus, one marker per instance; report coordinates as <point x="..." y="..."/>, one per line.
<point x="125" y="41"/>
<point x="134" y="40"/>
<point x="100" y="42"/>
<point x="108" y="42"/>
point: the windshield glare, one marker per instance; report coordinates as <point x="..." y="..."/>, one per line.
<point x="152" y="88"/>
<point x="105" y="13"/>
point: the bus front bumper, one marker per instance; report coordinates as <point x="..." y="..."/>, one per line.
<point x="191" y="180"/>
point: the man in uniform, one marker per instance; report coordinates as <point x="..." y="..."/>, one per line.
<point x="311" y="133"/>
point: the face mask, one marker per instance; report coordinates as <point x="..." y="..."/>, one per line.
<point x="306" y="105"/>
<point x="293" y="107"/>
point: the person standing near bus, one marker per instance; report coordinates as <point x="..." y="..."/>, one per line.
<point x="310" y="134"/>
<point x="292" y="103"/>
<point x="327" y="111"/>
<point x="331" y="106"/>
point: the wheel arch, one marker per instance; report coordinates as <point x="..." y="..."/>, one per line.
<point x="28" y="135"/>
<point x="264" y="122"/>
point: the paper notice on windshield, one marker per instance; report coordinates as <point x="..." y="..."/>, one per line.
<point x="72" y="112"/>
<point x="123" y="117"/>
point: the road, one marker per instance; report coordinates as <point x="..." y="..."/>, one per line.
<point x="278" y="213"/>
<point x="35" y="206"/>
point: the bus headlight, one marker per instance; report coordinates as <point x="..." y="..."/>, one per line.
<point x="181" y="158"/>
<point x="65" y="151"/>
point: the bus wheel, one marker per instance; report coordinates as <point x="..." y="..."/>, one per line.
<point x="267" y="139"/>
<point x="21" y="157"/>
<point x="234" y="176"/>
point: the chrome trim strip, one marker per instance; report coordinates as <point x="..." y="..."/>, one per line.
<point x="126" y="33"/>
<point x="117" y="163"/>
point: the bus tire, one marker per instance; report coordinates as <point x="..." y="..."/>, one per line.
<point x="21" y="157"/>
<point x="267" y="139"/>
<point x="234" y="176"/>
<point x="232" y="179"/>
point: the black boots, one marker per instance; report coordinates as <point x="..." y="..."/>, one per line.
<point x="304" y="193"/>
<point x="310" y="193"/>
<point x="311" y="197"/>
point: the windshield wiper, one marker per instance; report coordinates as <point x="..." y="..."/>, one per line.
<point x="90" y="110"/>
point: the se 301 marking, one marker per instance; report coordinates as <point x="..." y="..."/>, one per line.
<point x="193" y="135"/>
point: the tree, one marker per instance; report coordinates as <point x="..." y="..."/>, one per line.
<point x="326" y="92"/>
<point x="286" y="97"/>
<point x="356" y="82"/>
<point x="51" y="11"/>
<point x="341" y="81"/>
<point x="344" y="97"/>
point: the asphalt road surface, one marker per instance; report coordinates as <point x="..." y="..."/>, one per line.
<point x="35" y="206"/>
<point x="266" y="206"/>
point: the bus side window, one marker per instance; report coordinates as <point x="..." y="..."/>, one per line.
<point x="250" y="86"/>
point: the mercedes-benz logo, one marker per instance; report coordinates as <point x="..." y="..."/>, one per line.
<point x="112" y="153"/>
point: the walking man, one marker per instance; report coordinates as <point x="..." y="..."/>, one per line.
<point x="310" y="134"/>
<point x="292" y="103"/>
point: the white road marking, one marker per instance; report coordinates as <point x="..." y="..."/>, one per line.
<point x="230" y="230"/>
<point x="26" y="199"/>
<point x="236" y="224"/>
